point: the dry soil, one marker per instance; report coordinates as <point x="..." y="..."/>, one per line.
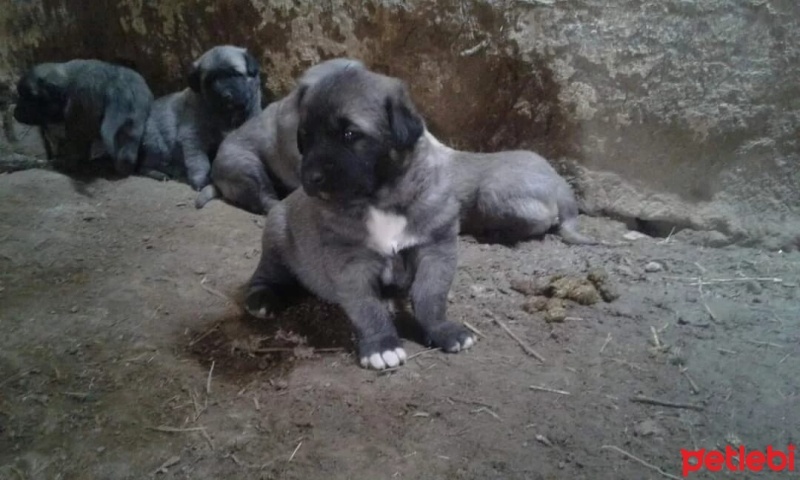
<point x="124" y="354"/>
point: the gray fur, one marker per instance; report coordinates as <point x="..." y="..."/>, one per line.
<point x="91" y="100"/>
<point x="185" y="128"/>
<point x="321" y="236"/>
<point x="514" y="196"/>
<point x="259" y="163"/>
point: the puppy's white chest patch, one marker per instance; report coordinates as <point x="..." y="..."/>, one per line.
<point x="387" y="232"/>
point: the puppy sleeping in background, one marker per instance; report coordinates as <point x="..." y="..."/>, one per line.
<point x="259" y="163"/>
<point x="376" y="210"/>
<point x="185" y="128"/>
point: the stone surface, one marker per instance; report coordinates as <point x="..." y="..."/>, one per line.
<point x="667" y="114"/>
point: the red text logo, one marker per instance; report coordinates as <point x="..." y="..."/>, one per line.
<point x="738" y="460"/>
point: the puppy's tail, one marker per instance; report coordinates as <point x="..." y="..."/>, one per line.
<point x="208" y="193"/>
<point x="568" y="230"/>
<point x="569" y="233"/>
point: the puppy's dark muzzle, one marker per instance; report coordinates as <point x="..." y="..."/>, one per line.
<point x="313" y="181"/>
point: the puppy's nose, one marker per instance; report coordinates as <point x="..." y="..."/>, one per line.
<point x="316" y="178"/>
<point x="227" y="97"/>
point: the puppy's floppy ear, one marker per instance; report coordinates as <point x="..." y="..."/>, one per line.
<point x="194" y="77"/>
<point x="405" y="123"/>
<point x="252" y="65"/>
<point x="54" y="94"/>
<point x="301" y="93"/>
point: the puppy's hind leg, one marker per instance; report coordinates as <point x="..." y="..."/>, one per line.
<point x="245" y="184"/>
<point x="435" y="267"/>
<point x="271" y="287"/>
<point x="511" y="219"/>
<point x="568" y="226"/>
<point x="116" y="134"/>
<point x="208" y="193"/>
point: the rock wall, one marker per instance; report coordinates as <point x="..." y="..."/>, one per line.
<point x="665" y="113"/>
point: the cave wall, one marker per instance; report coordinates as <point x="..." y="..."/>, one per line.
<point x="665" y="113"/>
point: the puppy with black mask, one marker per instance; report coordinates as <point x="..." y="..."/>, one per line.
<point x="84" y="105"/>
<point x="258" y="163"/>
<point x="185" y="128"/>
<point x="376" y="208"/>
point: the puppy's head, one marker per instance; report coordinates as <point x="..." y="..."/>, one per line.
<point x="356" y="131"/>
<point x="228" y="78"/>
<point x="42" y="95"/>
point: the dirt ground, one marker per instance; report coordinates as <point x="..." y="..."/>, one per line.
<point x="123" y="354"/>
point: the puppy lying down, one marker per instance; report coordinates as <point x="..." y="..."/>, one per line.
<point x="511" y="196"/>
<point x="376" y="210"/>
<point x="258" y="163"/>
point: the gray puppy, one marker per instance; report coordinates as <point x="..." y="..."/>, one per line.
<point x="185" y="128"/>
<point x="91" y="99"/>
<point x="376" y="210"/>
<point x="259" y="163"/>
<point x="512" y="196"/>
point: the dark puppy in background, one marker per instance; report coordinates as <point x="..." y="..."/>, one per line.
<point x="78" y="102"/>
<point x="512" y="196"/>
<point x="259" y="163"/>
<point x="376" y="210"/>
<point x="185" y="128"/>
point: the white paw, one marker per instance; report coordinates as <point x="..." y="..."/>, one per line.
<point x="470" y="341"/>
<point x="462" y="345"/>
<point x="261" y="313"/>
<point x="387" y="359"/>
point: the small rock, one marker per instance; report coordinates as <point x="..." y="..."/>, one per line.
<point x="634" y="235"/>
<point x="625" y="270"/>
<point x="477" y="290"/>
<point x="101" y="449"/>
<point x="647" y="428"/>
<point x="146" y="238"/>
<point x="754" y="287"/>
<point x="280" y="384"/>
<point x="200" y="270"/>
<point x="653" y="267"/>
<point x="74" y="309"/>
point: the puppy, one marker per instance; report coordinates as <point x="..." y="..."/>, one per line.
<point x="259" y="163"/>
<point x="512" y="196"/>
<point x="376" y="209"/>
<point x="185" y="128"/>
<point x="90" y="100"/>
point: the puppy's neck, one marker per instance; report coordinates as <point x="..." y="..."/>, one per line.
<point x="424" y="180"/>
<point x="433" y="149"/>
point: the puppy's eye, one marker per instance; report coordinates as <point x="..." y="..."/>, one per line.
<point x="351" y="135"/>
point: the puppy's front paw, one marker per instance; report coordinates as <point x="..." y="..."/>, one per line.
<point x="199" y="181"/>
<point x="381" y="354"/>
<point x="451" y="337"/>
<point x="261" y="302"/>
